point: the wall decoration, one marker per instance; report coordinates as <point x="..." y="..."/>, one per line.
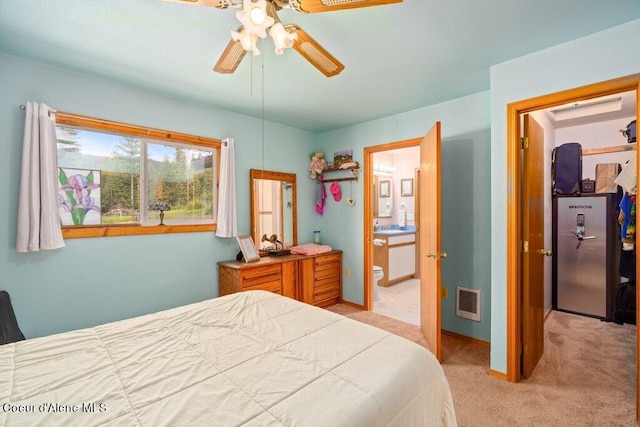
<point x="342" y="157"/>
<point x="79" y="196"/>
<point x="385" y="188"/>
<point x="406" y="187"/>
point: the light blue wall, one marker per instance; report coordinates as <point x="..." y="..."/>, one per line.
<point x="602" y="56"/>
<point x="465" y="192"/>
<point x="93" y="281"/>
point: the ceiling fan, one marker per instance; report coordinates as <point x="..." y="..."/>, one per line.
<point x="258" y="16"/>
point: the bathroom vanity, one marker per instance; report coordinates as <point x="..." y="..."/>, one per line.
<point x="397" y="256"/>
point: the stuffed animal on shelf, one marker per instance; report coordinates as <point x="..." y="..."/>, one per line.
<point x="318" y="164"/>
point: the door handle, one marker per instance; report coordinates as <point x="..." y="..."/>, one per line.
<point x="436" y="255"/>
<point x="545" y="253"/>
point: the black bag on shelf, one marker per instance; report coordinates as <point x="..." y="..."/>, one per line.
<point x="566" y="168"/>
<point x="9" y="330"/>
<point x="630" y="132"/>
<point x="624" y="310"/>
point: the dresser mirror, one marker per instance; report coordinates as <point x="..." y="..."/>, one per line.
<point x="274" y="209"/>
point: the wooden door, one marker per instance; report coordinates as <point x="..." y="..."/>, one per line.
<point x="533" y="246"/>
<point x="430" y="239"/>
<point x="637" y="275"/>
<point x="416" y="212"/>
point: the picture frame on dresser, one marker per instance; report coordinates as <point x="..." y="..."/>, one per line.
<point x="248" y="248"/>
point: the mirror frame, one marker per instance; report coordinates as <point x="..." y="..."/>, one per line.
<point x="377" y="195"/>
<point x="275" y="176"/>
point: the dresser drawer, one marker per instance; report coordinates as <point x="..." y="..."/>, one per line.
<point x="322" y="260"/>
<point x="268" y="285"/>
<point x="262" y="277"/>
<point x="326" y="284"/>
<point x="329" y="265"/>
<point x="326" y="288"/>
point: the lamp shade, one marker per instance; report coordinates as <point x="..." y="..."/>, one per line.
<point x="257" y="15"/>
<point x="254" y="18"/>
<point x="249" y="41"/>
<point x="281" y="38"/>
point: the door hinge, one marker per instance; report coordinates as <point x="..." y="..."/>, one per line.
<point x="525" y="349"/>
<point x="525" y="246"/>
<point x="524" y="142"/>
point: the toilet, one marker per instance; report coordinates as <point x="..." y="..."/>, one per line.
<point x="378" y="272"/>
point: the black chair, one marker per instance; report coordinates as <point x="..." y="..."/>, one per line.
<point x="9" y="330"/>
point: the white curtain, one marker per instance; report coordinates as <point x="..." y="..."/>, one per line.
<point x="38" y="216"/>
<point x="227" y="224"/>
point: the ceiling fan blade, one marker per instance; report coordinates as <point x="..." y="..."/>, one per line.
<point x="230" y="58"/>
<point x="311" y="50"/>
<point x="314" y="6"/>
<point x="220" y="4"/>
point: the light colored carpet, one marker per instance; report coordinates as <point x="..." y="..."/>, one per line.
<point x="585" y="378"/>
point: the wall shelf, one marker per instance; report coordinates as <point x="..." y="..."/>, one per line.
<point x="354" y="174"/>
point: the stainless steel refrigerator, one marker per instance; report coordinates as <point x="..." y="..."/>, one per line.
<point x="585" y="254"/>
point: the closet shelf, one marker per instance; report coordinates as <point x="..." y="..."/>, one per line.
<point x="614" y="149"/>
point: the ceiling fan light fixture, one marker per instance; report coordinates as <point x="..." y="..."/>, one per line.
<point x="257" y="15"/>
<point x="255" y="11"/>
<point x="282" y="39"/>
<point x="248" y="41"/>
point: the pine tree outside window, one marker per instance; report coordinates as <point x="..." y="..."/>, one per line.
<point x="119" y="179"/>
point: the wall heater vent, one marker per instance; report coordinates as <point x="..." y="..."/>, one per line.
<point x="468" y="303"/>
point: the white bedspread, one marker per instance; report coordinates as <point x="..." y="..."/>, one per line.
<point x="251" y="358"/>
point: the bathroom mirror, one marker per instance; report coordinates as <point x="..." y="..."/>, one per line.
<point x="273" y="207"/>
<point x="383" y="196"/>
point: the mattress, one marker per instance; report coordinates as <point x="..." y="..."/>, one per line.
<point x="251" y="358"/>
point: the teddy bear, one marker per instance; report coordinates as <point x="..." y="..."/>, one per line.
<point x="317" y="165"/>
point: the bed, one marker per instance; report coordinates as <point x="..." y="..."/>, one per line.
<point x="251" y="358"/>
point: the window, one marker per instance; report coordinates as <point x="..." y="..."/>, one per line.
<point x="118" y="179"/>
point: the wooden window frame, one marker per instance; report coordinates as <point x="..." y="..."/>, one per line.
<point x="73" y="232"/>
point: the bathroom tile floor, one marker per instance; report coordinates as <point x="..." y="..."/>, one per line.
<point x="400" y="301"/>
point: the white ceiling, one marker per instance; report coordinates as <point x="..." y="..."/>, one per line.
<point x="397" y="57"/>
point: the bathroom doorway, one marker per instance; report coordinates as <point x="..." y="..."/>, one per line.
<point x="430" y="238"/>
<point x="396" y="284"/>
<point x="394" y="215"/>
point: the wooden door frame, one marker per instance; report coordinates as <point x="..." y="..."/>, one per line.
<point x="368" y="209"/>
<point x="514" y="193"/>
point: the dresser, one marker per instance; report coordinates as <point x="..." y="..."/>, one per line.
<point x="314" y="279"/>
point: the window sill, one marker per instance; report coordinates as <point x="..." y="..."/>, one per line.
<point x="132" y="230"/>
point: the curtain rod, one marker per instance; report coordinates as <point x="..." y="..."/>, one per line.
<point x="24" y="107"/>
